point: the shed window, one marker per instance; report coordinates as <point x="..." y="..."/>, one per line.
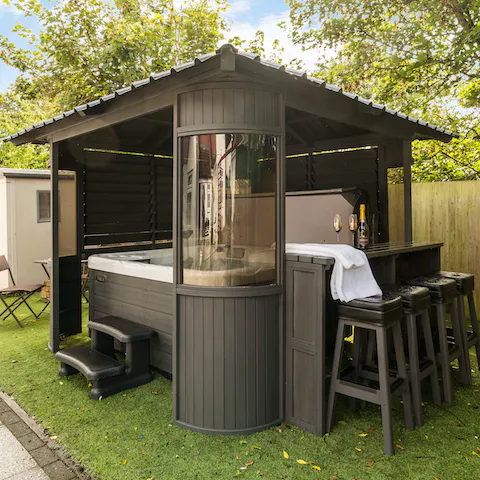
<point x="43" y="206"/>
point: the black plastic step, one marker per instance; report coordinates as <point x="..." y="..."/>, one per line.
<point x="90" y="363"/>
<point x="123" y="330"/>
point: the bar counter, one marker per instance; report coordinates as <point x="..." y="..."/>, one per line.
<point x="311" y="319"/>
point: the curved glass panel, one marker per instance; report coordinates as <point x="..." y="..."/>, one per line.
<point x="228" y="184"/>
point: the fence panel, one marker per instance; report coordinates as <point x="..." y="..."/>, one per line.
<point x="447" y="212"/>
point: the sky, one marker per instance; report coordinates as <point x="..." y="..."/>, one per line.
<point x="244" y="16"/>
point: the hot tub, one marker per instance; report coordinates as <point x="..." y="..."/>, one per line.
<point x="136" y="286"/>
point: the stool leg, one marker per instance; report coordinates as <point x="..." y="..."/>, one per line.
<point x="457" y="333"/>
<point x="384" y="391"/>
<point x="444" y="359"/>
<point x="474" y="320"/>
<point x="368" y="360"/>
<point x="357" y="353"/>
<point x="462" y="321"/>
<point x="337" y="360"/>
<point x="414" y="368"/>
<point x="402" y="373"/>
<point x="427" y="335"/>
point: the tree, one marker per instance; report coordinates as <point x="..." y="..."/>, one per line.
<point x="421" y="56"/>
<point x="408" y="51"/>
<point x="88" y="48"/>
<point x="15" y="114"/>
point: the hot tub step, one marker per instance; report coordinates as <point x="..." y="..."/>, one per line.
<point x="123" y="330"/>
<point x="90" y="363"/>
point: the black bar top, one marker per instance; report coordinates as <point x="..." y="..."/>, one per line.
<point x="389" y="249"/>
<point x="374" y="251"/>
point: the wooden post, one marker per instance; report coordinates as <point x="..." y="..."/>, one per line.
<point x="407" y="186"/>
<point x="54" y="344"/>
<point x="382" y="222"/>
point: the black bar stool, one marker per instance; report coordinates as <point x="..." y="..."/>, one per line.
<point x="378" y="314"/>
<point x="465" y="287"/>
<point x="416" y="302"/>
<point x="443" y="292"/>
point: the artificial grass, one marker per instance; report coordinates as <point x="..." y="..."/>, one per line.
<point x="131" y="436"/>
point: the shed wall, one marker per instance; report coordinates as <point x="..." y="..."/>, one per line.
<point x="4" y="282"/>
<point x="29" y="239"/>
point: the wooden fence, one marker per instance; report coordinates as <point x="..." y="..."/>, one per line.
<point x="446" y="212"/>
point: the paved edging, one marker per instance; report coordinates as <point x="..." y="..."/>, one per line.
<point x="48" y="454"/>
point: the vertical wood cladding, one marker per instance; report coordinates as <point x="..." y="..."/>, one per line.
<point x="228" y="362"/>
<point x="305" y="346"/>
<point x="229" y="106"/>
<point x="141" y="301"/>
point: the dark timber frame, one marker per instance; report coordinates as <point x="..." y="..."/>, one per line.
<point x="122" y="200"/>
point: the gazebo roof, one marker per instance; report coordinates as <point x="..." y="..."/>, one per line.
<point x="425" y="130"/>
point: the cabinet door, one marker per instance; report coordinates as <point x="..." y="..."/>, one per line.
<point x="305" y="346"/>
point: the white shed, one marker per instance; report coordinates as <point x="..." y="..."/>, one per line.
<point x="25" y="228"/>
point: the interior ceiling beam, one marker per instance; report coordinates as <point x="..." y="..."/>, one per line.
<point x="367" y="140"/>
<point x="295" y="135"/>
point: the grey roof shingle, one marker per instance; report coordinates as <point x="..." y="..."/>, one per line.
<point x="202" y="58"/>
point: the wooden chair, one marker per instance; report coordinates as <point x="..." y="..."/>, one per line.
<point x="24" y="292"/>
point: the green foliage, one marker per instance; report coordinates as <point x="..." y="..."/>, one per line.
<point x="88" y="48"/>
<point x="422" y="57"/>
<point x="15" y="114"/>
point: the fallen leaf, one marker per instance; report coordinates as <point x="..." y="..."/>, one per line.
<point x="316" y="467"/>
<point x="466" y="458"/>
<point x="363" y="434"/>
<point x="155" y="393"/>
<point x="371" y="430"/>
<point x="53" y="437"/>
<point x="135" y="428"/>
<point x="279" y="430"/>
<point x="124" y="462"/>
<point x="243" y="442"/>
<point x="436" y="478"/>
<point x="247" y="464"/>
<point x="285" y="454"/>
<point x="370" y="463"/>
<point x="399" y="446"/>
<point x="475" y="453"/>
<point x="358" y="449"/>
<point x="333" y="477"/>
<point x="90" y="384"/>
<point x="82" y="409"/>
<point x="302" y="462"/>
<point x="426" y="436"/>
<point x="257" y="447"/>
<point x="61" y="383"/>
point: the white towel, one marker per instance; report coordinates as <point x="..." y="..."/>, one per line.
<point x="351" y="276"/>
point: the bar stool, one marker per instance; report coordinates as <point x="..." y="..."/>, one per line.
<point x="379" y="314"/>
<point x="443" y="292"/>
<point x="465" y="286"/>
<point x="416" y="302"/>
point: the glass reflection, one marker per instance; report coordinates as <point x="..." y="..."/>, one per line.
<point x="228" y="209"/>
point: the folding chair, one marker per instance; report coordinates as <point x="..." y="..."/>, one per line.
<point x="24" y="291"/>
<point x="84" y="280"/>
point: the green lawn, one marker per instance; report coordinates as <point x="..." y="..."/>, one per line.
<point x="131" y="436"/>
